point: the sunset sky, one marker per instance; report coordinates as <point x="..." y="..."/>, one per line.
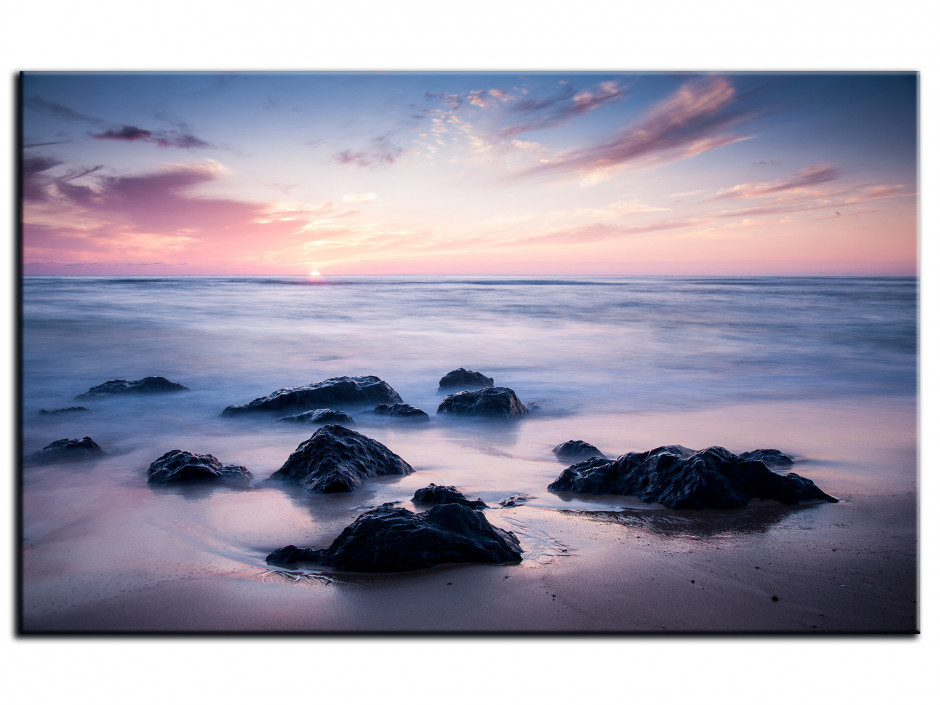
<point x="469" y="173"/>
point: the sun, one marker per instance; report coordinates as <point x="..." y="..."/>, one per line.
<point x="314" y="273"/>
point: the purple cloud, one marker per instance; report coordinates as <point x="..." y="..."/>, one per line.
<point x="380" y="153"/>
<point x="810" y="176"/>
<point x="163" y="138"/>
<point x="35" y="180"/>
<point x="695" y="119"/>
<point x="561" y="108"/>
<point x="128" y="133"/>
<point x="47" y="107"/>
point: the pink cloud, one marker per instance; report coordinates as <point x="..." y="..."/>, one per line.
<point x="810" y="176"/>
<point x="158" y="217"/>
<point x="693" y="120"/>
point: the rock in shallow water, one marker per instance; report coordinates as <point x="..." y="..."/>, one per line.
<point x="576" y="450"/>
<point x="771" y="457"/>
<point x="405" y="412"/>
<point x="181" y="466"/>
<point x="336" y="391"/>
<point x="681" y="478"/>
<point x="493" y="402"/>
<point x="464" y="379"/>
<point x="319" y="416"/>
<point x="147" y="385"/>
<point x="445" y="494"/>
<point x="390" y="539"/>
<point x="338" y="459"/>
<point x="67" y="449"/>
<point x="69" y="410"/>
<point x="515" y="500"/>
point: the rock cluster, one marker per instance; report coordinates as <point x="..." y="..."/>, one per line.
<point x="67" y="449"/>
<point x="681" y="478"/>
<point x="491" y="402"/>
<point x="147" y="385"/>
<point x="576" y="450"/>
<point x="445" y="494"/>
<point x="405" y="412"/>
<point x="336" y="391"/>
<point x="464" y="379"/>
<point x="181" y="466"/>
<point x="393" y="539"/>
<point x="338" y="459"/>
<point x="319" y="416"/>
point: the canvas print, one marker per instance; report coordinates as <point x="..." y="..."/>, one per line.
<point x="458" y="352"/>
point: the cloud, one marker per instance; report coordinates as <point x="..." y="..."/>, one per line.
<point x="561" y="108"/>
<point x="381" y="152"/>
<point x="697" y="118"/>
<point x="810" y="176"/>
<point x="35" y="180"/>
<point x="488" y="98"/>
<point x="599" y="232"/>
<point x="451" y="100"/>
<point x="163" y="138"/>
<point x="359" y="197"/>
<point x="47" y="107"/>
<point x="33" y="145"/>
<point x="127" y="132"/>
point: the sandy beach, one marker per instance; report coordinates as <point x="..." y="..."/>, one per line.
<point x="849" y="567"/>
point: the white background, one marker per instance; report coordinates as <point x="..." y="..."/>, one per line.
<point x="484" y="34"/>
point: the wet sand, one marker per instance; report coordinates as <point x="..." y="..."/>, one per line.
<point x="849" y="567"/>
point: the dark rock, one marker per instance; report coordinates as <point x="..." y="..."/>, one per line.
<point x="319" y="416"/>
<point x="183" y="466"/>
<point x="770" y="457"/>
<point x="392" y="539"/>
<point x="576" y="450"/>
<point x="291" y="555"/>
<point x="445" y="494"/>
<point x="68" y="449"/>
<point x="493" y="402"/>
<point x="337" y="459"/>
<point x="680" y="478"/>
<point x="399" y="411"/>
<point x="69" y="410"/>
<point x="515" y="500"/>
<point x="336" y="391"/>
<point x="464" y="379"/>
<point x="147" y="385"/>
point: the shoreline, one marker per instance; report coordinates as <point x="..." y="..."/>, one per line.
<point x="839" y="569"/>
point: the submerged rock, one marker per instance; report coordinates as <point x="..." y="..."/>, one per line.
<point x="399" y="411"/>
<point x="69" y="410"/>
<point x="515" y="500"/>
<point x="493" y="402"/>
<point x="338" y="459"/>
<point x="680" y="478"/>
<point x="771" y="457"/>
<point x="576" y="450"/>
<point x="392" y="539"/>
<point x="319" y="416"/>
<point x="147" y="385"/>
<point x="464" y="379"/>
<point x="182" y="466"/>
<point x="445" y="494"/>
<point x="336" y="391"/>
<point x="67" y="449"/>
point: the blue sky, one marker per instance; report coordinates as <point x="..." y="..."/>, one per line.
<point x="470" y="172"/>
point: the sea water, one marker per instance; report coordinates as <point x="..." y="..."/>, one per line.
<point x="823" y="368"/>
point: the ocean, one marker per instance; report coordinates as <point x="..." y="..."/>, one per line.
<point x="824" y="369"/>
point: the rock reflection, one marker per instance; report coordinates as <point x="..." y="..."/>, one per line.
<point x="703" y="523"/>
